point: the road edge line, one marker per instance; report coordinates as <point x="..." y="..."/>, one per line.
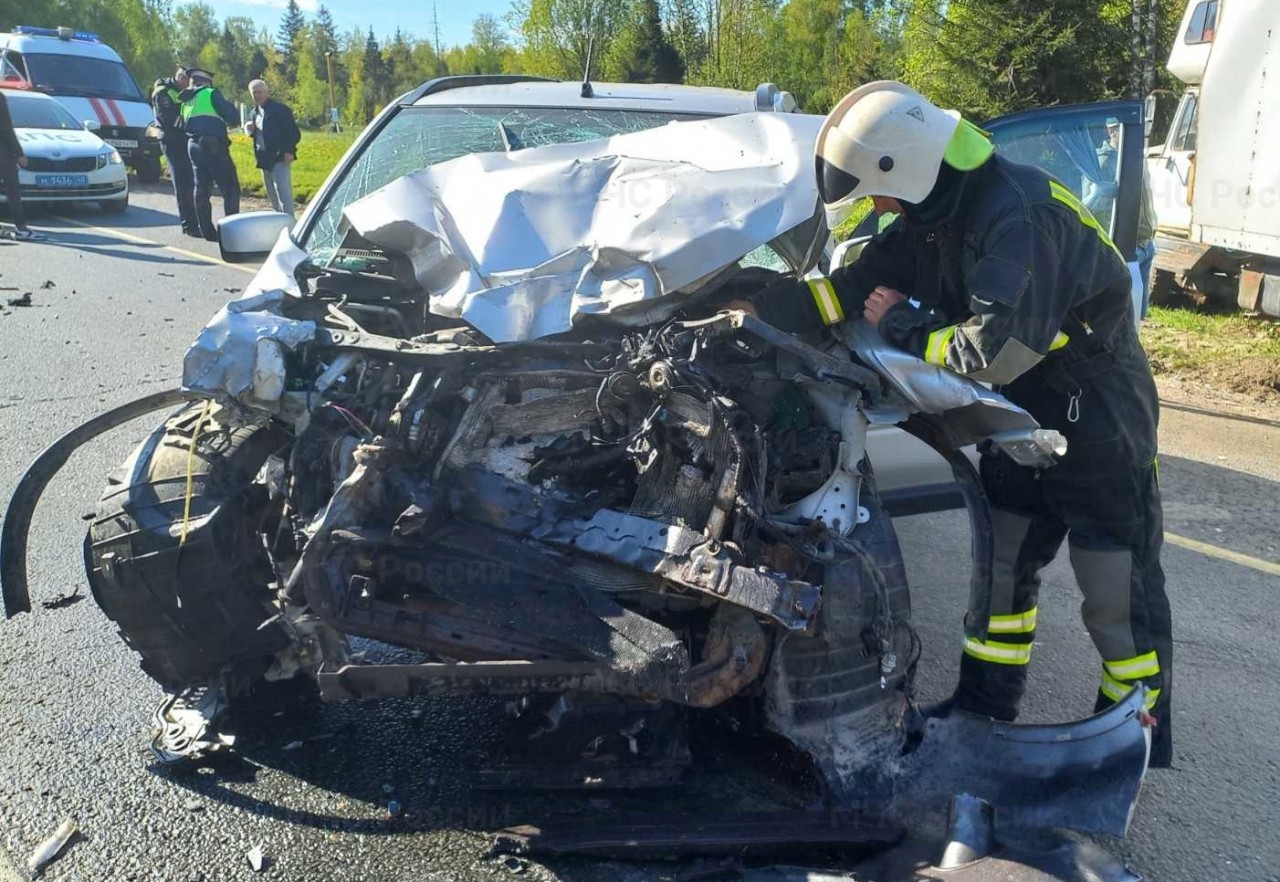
<point x="1235" y="557"/>
<point x="138" y="240"/>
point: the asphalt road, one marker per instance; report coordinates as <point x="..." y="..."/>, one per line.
<point x="112" y="313"/>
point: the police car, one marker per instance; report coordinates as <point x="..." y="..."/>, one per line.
<point x="65" y="162"/>
<point x="92" y="82"/>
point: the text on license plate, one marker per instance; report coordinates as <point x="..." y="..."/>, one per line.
<point x="121" y="142"/>
<point x="62" y="180"/>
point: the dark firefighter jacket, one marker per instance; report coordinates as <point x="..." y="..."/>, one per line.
<point x="1019" y="287"/>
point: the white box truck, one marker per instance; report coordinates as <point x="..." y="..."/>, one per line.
<point x="1216" y="179"/>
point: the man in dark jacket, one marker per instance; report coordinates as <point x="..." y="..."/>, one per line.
<point x="11" y="157"/>
<point x="1019" y="286"/>
<point x="206" y="113"/>
<point x="275" y="145"/>
<point x="167" y="104"/>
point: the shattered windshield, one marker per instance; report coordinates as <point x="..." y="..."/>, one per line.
<point x="421" y="136"/>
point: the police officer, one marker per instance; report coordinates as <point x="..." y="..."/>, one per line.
<point x="205" y="117"/>
<point x="1019" y="286"/>
<point x="167" y="105"/>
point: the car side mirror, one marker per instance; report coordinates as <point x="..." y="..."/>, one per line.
<point x="250" y="236"/>
<point x="1148" y="115"/>
<point x="91" y="125"/>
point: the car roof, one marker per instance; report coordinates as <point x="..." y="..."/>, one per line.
<point x="36" y="44"/>
<point x="27" y="93"/>
<point x="604" y="96"/>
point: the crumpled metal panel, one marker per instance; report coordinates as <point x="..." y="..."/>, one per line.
<point x="971" y="411"/>
<point x="240" y="352"/>
<point x="522" y="244"/>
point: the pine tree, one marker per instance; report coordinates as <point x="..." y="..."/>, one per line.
<point x="291" y="24"/>
<point x="642" y="53"/>
<point x="324" y="21"/>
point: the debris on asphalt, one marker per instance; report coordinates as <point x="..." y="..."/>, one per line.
<point x="88" y="516"/>
<point x="49" y="849"/>
<point x="193" y="805"/>
<point x="64" y="600"/>
<point x="388" y="789"/>
<point x="24" y="300"/>
<point x="394" y="809"/>
<point x="232" y="290"/>
<point x="257" y="858"/>
<point x="166" y="275"/>
<point x="48" y="283"/>
<point x="292" y="745"/>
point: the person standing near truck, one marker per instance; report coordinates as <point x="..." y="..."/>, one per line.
<point x="167" y="103"/>
<point x="206" y="113"/>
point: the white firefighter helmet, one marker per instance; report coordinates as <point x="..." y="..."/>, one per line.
<point x="886" y="139"/>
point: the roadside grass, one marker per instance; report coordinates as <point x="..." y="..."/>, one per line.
<point x="1232" y="350"/>
<point x="318" y="153"/>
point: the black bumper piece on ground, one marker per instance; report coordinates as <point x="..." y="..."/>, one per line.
<point x="984" y="801"/>
<point x="17" y="518"/>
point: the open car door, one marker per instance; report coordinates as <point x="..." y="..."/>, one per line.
<point x="1075" y="145"/>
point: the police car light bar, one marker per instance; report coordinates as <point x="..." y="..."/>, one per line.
<point x="60" y="33"/>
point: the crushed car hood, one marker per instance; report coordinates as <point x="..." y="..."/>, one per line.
<point x="521" y="245"/>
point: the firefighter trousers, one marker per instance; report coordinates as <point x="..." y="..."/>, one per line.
<point x="1110" y="516"/>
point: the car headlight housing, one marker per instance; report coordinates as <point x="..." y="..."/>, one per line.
<point x="109" y="157"/>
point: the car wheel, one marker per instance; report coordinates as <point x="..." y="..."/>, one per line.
<point x="115" y="206"/>
<point x="193" y="611"/>
<point x="148" y="170"/>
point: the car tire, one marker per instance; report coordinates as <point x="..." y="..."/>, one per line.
<point x="193" y="612"/>
<point x="148" y="170"/>
<point x="115" y="206"/>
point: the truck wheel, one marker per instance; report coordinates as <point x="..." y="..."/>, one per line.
<point x="148" y="170"/>
<point x="192" y="610"/>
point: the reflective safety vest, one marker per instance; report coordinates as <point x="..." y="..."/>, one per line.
<point x="199" y="104"/>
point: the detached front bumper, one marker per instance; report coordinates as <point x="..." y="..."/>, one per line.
<point x="975" y="801"/>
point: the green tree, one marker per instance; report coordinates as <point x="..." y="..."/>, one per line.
<point x="365" y="95"/>
<point x="642" y="53"/>
<point x="987" y="57"/>
<point x="738" y="34"/>
<point x="195" y="26"/>
<point x="292" y="24"/>
<point x="559" y="34"/>
<point x="685" y="32"/>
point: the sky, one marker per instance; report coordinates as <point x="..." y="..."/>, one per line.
<point x="384" y="16"/>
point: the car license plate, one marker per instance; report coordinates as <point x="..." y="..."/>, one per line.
<point x="121" y="142"/>
<point x="62" y="180"/>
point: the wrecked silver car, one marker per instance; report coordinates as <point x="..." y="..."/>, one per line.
<point x="506" y="426"/>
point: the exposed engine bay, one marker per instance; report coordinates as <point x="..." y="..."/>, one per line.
<point x="614" y="525"/>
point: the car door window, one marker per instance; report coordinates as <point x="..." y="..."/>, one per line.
<point x="1204" y="21"/>
<point x="1184" y="139"/>
<point x="1094" y="151"/>
<point x="11" y="67"/>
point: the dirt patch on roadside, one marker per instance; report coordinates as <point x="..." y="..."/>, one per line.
<point x="1249" y="376"/>
<point x="1229" y="356"/>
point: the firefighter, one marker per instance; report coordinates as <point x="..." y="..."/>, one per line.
<point x="997" y="271"/>
<point x="205" y="117"/>
<point x="167" y="104"/>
